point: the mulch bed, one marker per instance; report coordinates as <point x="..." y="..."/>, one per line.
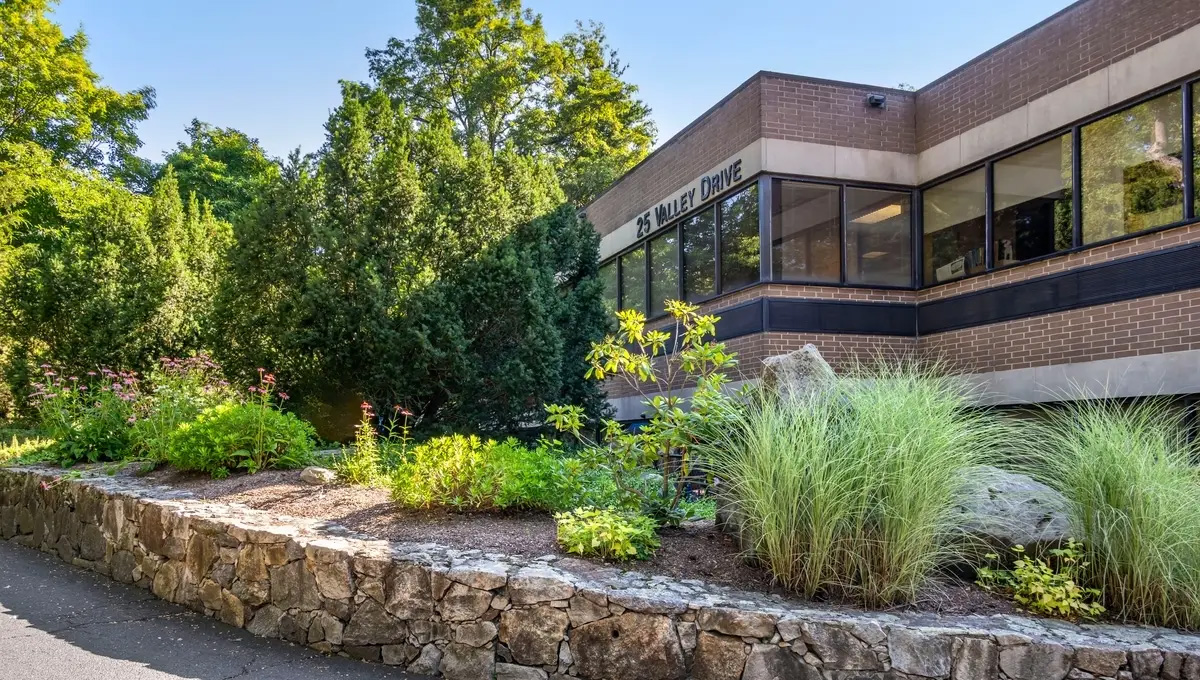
<point x="697" y="550"/>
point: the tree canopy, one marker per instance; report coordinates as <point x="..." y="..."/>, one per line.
<point x="223" y="165"/>
<point x="490" y="67"/>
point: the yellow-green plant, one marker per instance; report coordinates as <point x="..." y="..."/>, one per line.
<point x="661" y="363"/>
<point x="1045" y="589"/>
<point x="606" y="533"/>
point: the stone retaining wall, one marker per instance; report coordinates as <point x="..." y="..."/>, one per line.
<point x="470" y="615"/>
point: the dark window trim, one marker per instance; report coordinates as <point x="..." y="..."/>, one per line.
<point x="1191" y="91"/>
<point x="1075" y="129"/>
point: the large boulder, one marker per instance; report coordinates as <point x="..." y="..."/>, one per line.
<point x="1005" y="509"/>
<point x="797" y="374"/>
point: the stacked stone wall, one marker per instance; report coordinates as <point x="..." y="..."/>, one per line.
<point x="469" y="615"/>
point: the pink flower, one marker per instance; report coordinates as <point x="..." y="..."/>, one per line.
<point x="91" y="374"/>
<point x="284" y="396"/>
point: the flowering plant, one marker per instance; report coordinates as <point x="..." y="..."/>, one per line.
<point x="179" y="390"/>
<point x="88" y="417"/>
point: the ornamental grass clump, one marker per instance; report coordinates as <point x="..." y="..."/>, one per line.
<point x="1130" y="475"/>
<point x="850" y="490"/>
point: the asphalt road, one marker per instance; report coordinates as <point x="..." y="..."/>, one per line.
<point x="58" y="622"/>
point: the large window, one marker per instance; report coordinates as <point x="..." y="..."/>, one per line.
<point x="806" y="233"/>
<point x="954" y="228"/>
<point x="608" y="277"/>
<point x="1196" y="147"/>
<point x="699" y="256"/>
<point x="664" y="271"/>
<point x="1032" y="202"/>
<point x="739" y="239"/>
<point x="1132" y="166"/>
<point x="878" y="237"/>
<point x="633" y="279"/>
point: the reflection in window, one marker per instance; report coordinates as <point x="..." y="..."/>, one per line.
<point x="699" y="256"/>
<point x="954" y="228"/>
<point x="664" y="271"/>
<point x="878" y="237"/>
<point x="1033" y="202"/>
<point x="806" y="233"/>
<point x="1133" y="170"/>
<point x="633" y="279"/>
<point x="739" y="240"/>
<point x="608" y="277"/>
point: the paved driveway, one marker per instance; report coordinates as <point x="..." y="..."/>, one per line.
<point x="58" y="622"/>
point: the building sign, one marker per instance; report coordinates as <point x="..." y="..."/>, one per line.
<point x="697" y="193"/>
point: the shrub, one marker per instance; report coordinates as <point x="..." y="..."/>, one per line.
<point x="87" y="418"/>
<point x="607" y="534"/>
<point x="179" y="390"/>
<point x="640" y="358"/>
<point x="373" y="454"/>
<point x="850" y="490"/>
<point x="1045" y="589"/>
<point x="252" y="436"/>
<point x="1130" y="476"/>
<point x="466" y="472"/>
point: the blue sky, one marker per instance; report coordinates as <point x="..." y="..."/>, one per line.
<point x="270" y="67"/>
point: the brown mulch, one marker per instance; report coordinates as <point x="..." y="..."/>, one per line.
<point x="697" y="550"/>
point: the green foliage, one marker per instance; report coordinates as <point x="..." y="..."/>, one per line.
<point x="250" y="437"/>
<point x="223" y="166"/>
<point x="851" y="490"/>
<point x="488" y="67"/>
<point x="24" y="448"/>
<point x="467" y="472"/>
<point x="1130" y="475"/>
<point x="87" y="419"/>
<point x="639" y="357"/>
<point x="51" y="97"/>
<point x="175" y="393"/>
<point x="1043" y="589"/>
<point x="373" y="455"/>
<point x="607" y="534"/>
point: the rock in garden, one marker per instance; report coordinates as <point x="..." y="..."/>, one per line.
<point x="628" y="647"/>
<point x="533" y="634"/>
<point x="797" y="374"/>
<point x="1006" y="509"/>
<point x="317" y="475"/>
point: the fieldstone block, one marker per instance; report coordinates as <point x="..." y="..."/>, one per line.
<point x="628" y="646"/>
<point x="718" y="657"/>
<point x="838" y="649"/>
<point x="428" y="661"/>
<point x="508" y="671"/>
<point x="533" y="634"/>
<point x="737" y="622"/>
<point x="531" y="585"/>
<point x="463" y="662"/>
<point x="371" y="625"/>
<point x="408" y="592"/>
<point x="1103" y="662"/>
<point x="464" y="603"/>
<point x="582" y="610"/>
<point x="1035" y="661"/>
<point x="294" y="587"/>
<point x="266" y="621"/>
<point x="976" y="659"/>
<point x="481" y="575"/>
<point x="475" y="634"/>
<point x="919" y="653"/>
<point x="771" y="662"/>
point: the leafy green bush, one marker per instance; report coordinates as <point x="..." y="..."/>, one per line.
<point x="466" y="472"/>
<point x="1045" y="589"/>
<point x="850" y="490"/>
<point x="88" y="419"/>
<point x="666" y="441"/>
<point x="177" y="392"/>
<point x="1130" y="475"/>
<point x="606" y="533"/>
<point x="249" y="436"/>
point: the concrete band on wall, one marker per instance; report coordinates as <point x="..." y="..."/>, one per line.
<point x="465" y="614"/>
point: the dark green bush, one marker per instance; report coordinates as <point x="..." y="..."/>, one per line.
<point x="250" y="436"/>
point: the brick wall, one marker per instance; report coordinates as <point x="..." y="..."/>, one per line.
<point x="1151" y="325"/>
<point x="721" y="132"/>
<point x="1080" y="40"/>
<point x="829" y="112"/>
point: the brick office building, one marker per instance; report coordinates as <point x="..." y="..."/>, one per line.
<point x="1031" y="216"/>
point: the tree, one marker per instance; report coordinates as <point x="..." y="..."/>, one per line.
<point x="221" y="165"/>
<point x="50" y="96"/>
<point x="489" y="65"/>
